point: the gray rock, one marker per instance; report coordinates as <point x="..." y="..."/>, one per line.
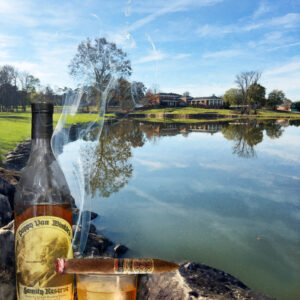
<point x="120" y="249"/>
<point x="7" y="246"/>
<point x="7" y="290"/>
<point x="195" y="281"/>
<point x="7" y="262"/>
<point x="93" y="228"/>
<point x="17" y="159"/>
<point x="6" y="212"/>
<point x="99" y="242"/>
<point x="8" y="181"/>
<point x="90" y="215"/>
<point x="96" y="245"/>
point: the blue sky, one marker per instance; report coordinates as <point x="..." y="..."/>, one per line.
<point x="176" y="46"/>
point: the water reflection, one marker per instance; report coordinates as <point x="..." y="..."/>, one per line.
<point x="245" y="135"/>
<point x="249" y="133"/>
<point x="112" y="168"/>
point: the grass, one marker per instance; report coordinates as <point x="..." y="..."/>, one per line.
<point x="186" y="110"/>
<point x="184" y="121"/>
<point x="16" y="127"/>
<point x="224" y="112"/>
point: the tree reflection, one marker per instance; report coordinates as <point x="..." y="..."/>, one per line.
<point x="112" y="168"/>
<point x="249" y="133"/>
<point x="295" y="122"/>
<point x="246" y="136"/>
<point x="273" y="130"/>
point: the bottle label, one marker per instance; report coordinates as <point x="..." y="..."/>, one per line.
<point x="64" y="292"/>
<point x="38" y="242"/>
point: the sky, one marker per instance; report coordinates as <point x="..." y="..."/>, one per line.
<point x="197" y="46"/>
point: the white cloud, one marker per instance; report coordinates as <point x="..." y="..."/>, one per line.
<point x="180" y="165"/>
<point x="96" y="17"/>
<point x="222" y="167"/>
<point x="285" y="77"/>
<point x="4" y="54"/>
<point x="201" y="89"/>
<point x="152" y="165"/>
<point x="290" y="20"/>
<point x="286" y="68"/>
<point x="262" y="9"/>
<point x="212" y="30"/>
<point x="223" y="54"/>
<point x="287" y="157"/>
<point x="182" y="55"/>
<point x="123" y="39"/>
<point x="172" y="6"/>
<point x="152" y="56"/>
<point x="275" y="37"/>
<point x="170" y="207"/>
<point x="284" y="46"/>
<point x="17" y="12"/>
<point x="28" y="13"/>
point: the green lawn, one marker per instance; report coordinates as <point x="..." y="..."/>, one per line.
<point x="185" y="121"/>
<point x="186" y="110"/>
<point x="16" y="127"/>
<point x="225" y="112"/>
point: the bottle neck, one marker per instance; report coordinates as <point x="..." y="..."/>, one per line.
<point x="41" y="144"/>
<point x="42" y="127"/>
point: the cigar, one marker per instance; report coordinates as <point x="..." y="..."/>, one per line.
<point x="91" y="266"/>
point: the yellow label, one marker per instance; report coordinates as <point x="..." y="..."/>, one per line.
<point x="64" y="292"/>
<point x="39" y="241"/>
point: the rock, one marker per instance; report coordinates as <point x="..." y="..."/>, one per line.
<point x="7" y="246"/>
<point x="120" y="249"/>
<point x="93" y="228"/>
<point x="96" y="245"/>
<point x="93" y="215"/>
<point x="90" y="215"/>
<point x="195" y="281"/>
<point x="99" y="242"/>
<point x="17" y="159"/>
<point x="6" y="212"/>
<point x="8" y="182"/>
<point x="93" y="252"/>
<point x="7" y="262"/>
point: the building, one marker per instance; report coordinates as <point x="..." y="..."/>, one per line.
<point x="212" y="101"/>
<point x="171" y="99"/>
<point x="176" y="100"/>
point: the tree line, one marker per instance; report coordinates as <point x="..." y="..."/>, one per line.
<point x="102" y="70"/>
<point x="18" y="89"/>
<point x="250" y="94"/>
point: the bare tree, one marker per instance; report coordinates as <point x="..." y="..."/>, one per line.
<point x="244" y="81"/>
<point x="98" y="62"/>
<point x="28" y="82"/>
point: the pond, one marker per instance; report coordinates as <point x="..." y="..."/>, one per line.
<point x="223" y="194"/>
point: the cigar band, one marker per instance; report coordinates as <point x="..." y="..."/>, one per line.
<point x="133" y="266"/>
<point x="60" y="265"/>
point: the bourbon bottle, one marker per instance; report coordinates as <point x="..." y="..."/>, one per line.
<point x="43" y="217"/>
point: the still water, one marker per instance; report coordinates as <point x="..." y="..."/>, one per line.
<point x="223" y="194"/>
